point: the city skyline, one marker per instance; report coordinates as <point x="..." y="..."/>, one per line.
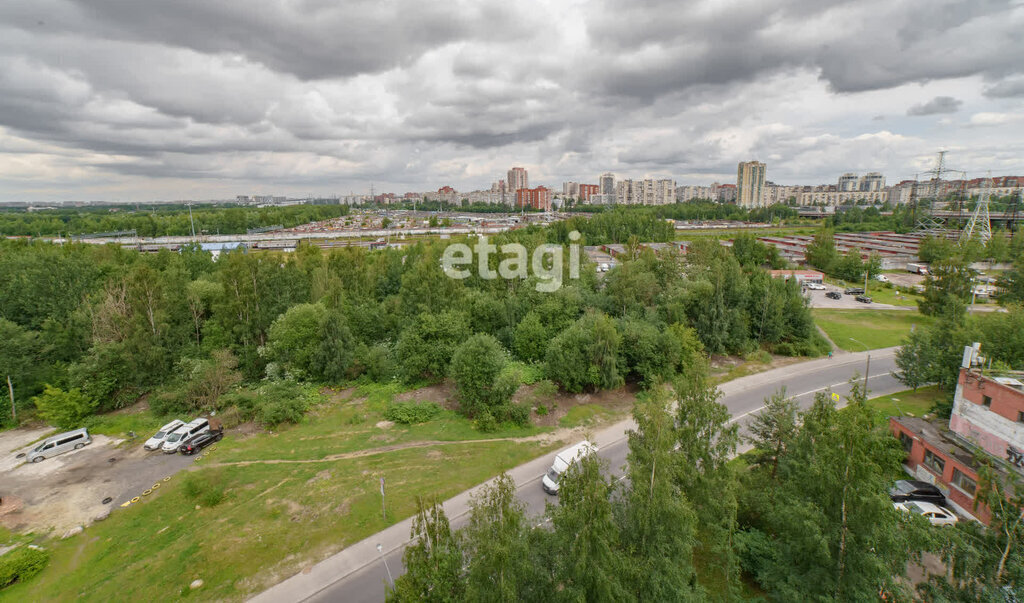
<point x="139" y="101"/>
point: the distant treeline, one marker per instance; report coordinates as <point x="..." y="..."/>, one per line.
<point x="162" y="221"/>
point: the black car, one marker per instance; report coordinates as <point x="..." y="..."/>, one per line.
<point x="200" y="441"/>
<point x="833" y="295"/>
<point x="905" y="490"/>
<point x="864" y="299"/>
<point x="854" y="291"/>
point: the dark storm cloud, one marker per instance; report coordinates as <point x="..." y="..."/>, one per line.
<point x="318" y="91"/>
<point x="311" y="39"/>
<point x="939" y="104"/>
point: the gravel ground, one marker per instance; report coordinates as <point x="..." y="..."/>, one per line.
<point x="847" y="302"/>
<point x="65" y="491"/>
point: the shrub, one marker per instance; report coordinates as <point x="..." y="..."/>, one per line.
<point x="759" y="356"/>
<point x="205" y="488"/>
<point x="486" y="422"/>
<point x="408" y="413"/>
<point x="64" y="409"/>
<point x="542" y="410"/>
<point x="22" y="564"/>
<point x="518" y="414"/>
<point x="480" y="379"/>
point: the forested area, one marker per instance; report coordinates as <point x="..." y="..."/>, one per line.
<point x="160" y="221"/>
<point x="805" y="516"/>
<point x="101" y="325"/>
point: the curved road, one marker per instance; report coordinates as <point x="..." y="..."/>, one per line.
<point x="360" y="574"/>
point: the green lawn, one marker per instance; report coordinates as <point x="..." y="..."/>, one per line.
<point x="906" y="403"/>
<point x="875" y="328"/>
<point x="244" y="527"/>
<point x="584" y="414"/>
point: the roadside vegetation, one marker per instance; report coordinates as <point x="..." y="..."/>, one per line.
<point x="259" y="509"/>
<point x="875" y="328"/>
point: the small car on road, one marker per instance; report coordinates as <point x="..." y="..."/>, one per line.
<point x="815" y="286"/>
<point x="200" y="441"/>
<point x="834" y="295"/>
<point x="864" y="299"/>
<point x="936" y="515"/>
<point x="185" y="433"/>
<point x="854" y="291"/>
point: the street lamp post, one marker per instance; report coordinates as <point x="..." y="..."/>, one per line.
<point x="867" y="369"/>
<point x="380" y="549"/>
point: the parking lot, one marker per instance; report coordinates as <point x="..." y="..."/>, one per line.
<point x="65" y="491"/>
<point x="818" y="299"/>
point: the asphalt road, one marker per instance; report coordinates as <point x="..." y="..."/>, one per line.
<point x="744" y="398"/>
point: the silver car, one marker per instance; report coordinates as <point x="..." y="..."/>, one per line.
<point x="59" y="444"/>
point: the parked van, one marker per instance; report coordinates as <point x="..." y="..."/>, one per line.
<point x="186" y="432"/>
<point x="562" y="462"/>
<point x="161" y="436"/>
<point x="59" y="444"/>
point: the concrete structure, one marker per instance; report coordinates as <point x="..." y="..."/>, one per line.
<point x="828" y="198"/>
<point x="645" y="192"/>
<point x="536" y="198"/>
<point x="606" y="184"/>
<point x="801" y="276"/>
<point x="871" y="182"/>
<point x="750" y="184"/>
<point x="987" y="418"/>
<point x="847" y="183"/>
<point x="517" y="179"/>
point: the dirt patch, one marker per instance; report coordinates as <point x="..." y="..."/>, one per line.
<point x="384" y="424"/>
<point x="139" y="407"/>
<point x="245" y="430"/>
<point x="435" y="455"/>
<point x="442" y="393"/>
<point x="68" y="490"/>
<point x="320" y="476"/>
<point x="618" y="401"/>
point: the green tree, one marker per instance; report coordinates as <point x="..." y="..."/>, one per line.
<point x="1011" y="283"/>
<point x="293" y="338"/>
<point x="475" y="367"/>
<point x="772" y="431"/>
<point x="531" y="338"/>
<point x="64" y="409"/>
<point x="947" y="288"/>
<point x="661" y="560"/>
<point x="706" y="438"/>
<point x="20" y="354"/>
<point x="585" y="355"/>
<point x="433" y="561"/>
<point x="821" y="252"/>
<point x="425" y="348"/>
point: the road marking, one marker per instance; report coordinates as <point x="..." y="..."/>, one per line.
<point x="813" y="391"/>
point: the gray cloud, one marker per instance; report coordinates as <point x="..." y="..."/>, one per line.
<point x="939" y="104"/>
<point x="330" y="96"/>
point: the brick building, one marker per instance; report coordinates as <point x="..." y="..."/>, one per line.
<point x="536" y="198"/>
<point x="987" y="418"/>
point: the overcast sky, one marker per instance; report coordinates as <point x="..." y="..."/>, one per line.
<point x="139" y="100"/>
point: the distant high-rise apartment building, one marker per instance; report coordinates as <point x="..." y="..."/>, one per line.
<point x="517" y="179"/>
<point x="537" y="198"/>
<point x="645" y="192"/>
<point x="848" y="183"/>
<point x="871" y="182"/>
<point x="606" y="184"/>
<point x="750" y="184"/>
<point x="571" y="189"/>
<point x="587" y="191"/>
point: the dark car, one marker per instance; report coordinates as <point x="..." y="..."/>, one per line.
<point x="905" y="490"/>
<point x="200" y="441"/>
<point x="854" y="291"/>
<point x="833" y="295"/>
<point x="864" y="299"/>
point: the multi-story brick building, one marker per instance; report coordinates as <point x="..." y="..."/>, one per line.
<point x="987" y="418"/>
<point x="536" y="198"/>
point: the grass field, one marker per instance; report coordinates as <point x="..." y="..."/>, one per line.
<point x="906" y="403"/>
<point x="875" y="328"/>
<point x="258" y="510"/>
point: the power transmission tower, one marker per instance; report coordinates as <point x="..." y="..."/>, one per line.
<point x="980" y="225"/>
<point x="927" y="221"/>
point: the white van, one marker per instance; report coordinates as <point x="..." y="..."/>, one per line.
<point x="562" y="461"/>
<point x="185" y="432"/>
<point x="58" y="444"/>
<point x="158" y="440"/>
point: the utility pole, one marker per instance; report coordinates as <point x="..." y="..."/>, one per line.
<point x="867" y="369"/>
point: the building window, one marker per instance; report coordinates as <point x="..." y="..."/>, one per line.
<point x="960" y="480"/>
<point x="907" y="441"/>
<point x="986" y="401"/>
<point x="933" y="462"/>
<point x="1020" y="416"/>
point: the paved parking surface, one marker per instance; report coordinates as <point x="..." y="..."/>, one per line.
<point x="68" y="490"/>
<point x="847" y="302"/>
